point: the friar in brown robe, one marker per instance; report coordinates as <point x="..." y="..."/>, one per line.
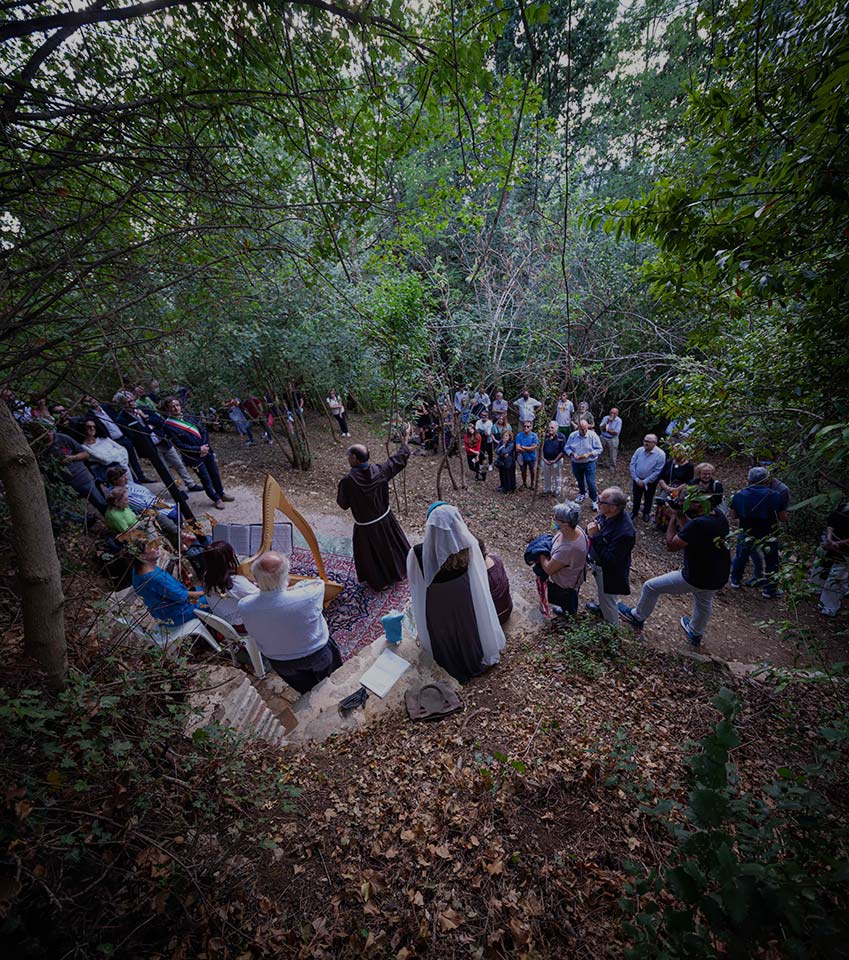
<point x="380" y="547"/>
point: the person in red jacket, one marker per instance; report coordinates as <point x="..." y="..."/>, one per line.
<point x="472" y="443"/>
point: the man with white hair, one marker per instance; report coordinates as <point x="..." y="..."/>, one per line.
<point x="646" y="467"/>
<point x="288" y="625"/>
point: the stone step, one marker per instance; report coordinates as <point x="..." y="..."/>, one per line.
<point x="226" y="696"/>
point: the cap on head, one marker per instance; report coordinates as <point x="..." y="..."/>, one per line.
<point x="758" y="474"/>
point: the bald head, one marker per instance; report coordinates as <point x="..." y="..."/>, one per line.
<point x="271" y="571"/>
<point x="358" y="454"/>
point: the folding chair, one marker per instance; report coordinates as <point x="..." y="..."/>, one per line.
<point x="227" y="631"/>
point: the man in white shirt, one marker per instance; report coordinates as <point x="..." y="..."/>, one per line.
<point x="527" y="407"/>
<point x="288" y="625"/>
<point x="563" y="414"/>
<point x="610" y="431"/>
<point x="499" y="404"/>
<point x="484" y="427"/>
<point x="646" y="467"/>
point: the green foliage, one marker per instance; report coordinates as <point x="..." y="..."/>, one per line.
<point x="583" y="646"/>
<point x="104" y="794"/>
<point x="751" y="868"/>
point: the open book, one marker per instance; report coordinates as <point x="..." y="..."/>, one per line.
<point x="246" y="538"/>
<point x="384" y="673"/>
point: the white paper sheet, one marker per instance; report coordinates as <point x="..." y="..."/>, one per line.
<point x="384" y="673"/>
<point x="246" y="538"/>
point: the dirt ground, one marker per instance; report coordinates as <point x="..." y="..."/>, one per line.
<point x="744" y="628"/>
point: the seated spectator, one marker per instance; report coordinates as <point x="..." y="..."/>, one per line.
<point x="240" y="421"/>
<point x="288" y="625"/>
<point x="677" y="472"/>
<point x="39" y="410"/>
<point x="612" y="539"/>
<point x="705" y="480"/>
<point x="527" y="443"/>
<point x="166" y="599"/>
<point x="567" y="565"/>
<point x="760" y="511"/>
<point x="119" y="516"/>
<point x="646" y="466"/>
<point x="223" y="585"/>
<point x="700" y="532"/>
<point x="107" y="427"/>
<point x="191" y="439"/>
<point x="499" y="584"/>
<point x="831" y="569"/>
<point x="472" y="444"/>
<point x="101" y="449"/>
<point x="141" y="499"/>
<point x="75" y="473"/>
<point x="455" y="616"/>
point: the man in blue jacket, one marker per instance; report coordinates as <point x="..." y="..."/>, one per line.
<point x="190" y="438"/>
<point x="760" y="510"/>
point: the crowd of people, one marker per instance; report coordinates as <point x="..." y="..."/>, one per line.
<point x="460" y="592"/>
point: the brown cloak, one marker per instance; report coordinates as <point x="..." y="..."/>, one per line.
<point x="380" y="549"/>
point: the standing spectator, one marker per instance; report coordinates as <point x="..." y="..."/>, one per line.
<point x="505" y="460"/>
<point x="704" y="478"/>
<point x="527" y="407"/>
<point x="338" y="411"/>
<point x="114" y="433"/>
<point x="472" y="443"/>
<point x="583" y="449"/>
<point x="646" y="466"/>
<point x="567" y="565"/>
<point x="480" y="401"/>
<point x="143" y="398"/>
<point x="701" y="535"/>
<point x="526" y="447"/>
<point x="677" y="472"/>
<point x="192" y="440"/>
<point x="461" y="403"/>
<point x="240" y="421"/>
<point x="612" y="539"/>
<point x="484" y="427"/>
<point x="564" y="413"/>
<point x="583" y="413"/>
<point x="552" y="459"/>
<point x="74" y="471"/>
<point x="759" y="511"/>
<point x="255" y="412"/>
<point x="611" y="430"/>
<point x="831" y="569"/>
<point x="499" y="405"/>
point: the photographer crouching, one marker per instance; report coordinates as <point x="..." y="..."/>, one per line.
<point x="700" y="531"/>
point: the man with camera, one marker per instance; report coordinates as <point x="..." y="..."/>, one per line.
<point x="700" y="531"/>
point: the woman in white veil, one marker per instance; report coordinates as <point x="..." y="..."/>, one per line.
<point x="453" y="609"/>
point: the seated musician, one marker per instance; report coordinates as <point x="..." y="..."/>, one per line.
<point x="288" y="625"/>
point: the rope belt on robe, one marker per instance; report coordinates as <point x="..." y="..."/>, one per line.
<point x="368" y="523"/>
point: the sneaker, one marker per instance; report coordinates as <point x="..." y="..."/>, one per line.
<point x="694" y="638"/>
<point x="251" y="443"/>
<point x="227" y="497"/>
<point x="831" y="614"/>
<point x="627" y="613"/>
<point x="557" y="611"/>
<point x="218" y="505"/>
<point x="754" y="582"/>
<point x="195" y="488"/>
<point x="580" y="498"/>
<point x="768" y="594"/>
<point x="734" y="584"/>
<point x="594" y="505"/>
<point x="594" y="608"/>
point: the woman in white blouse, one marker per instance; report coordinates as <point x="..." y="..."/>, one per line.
<point x="101" y="449"/>
<point x="223" y="586"/>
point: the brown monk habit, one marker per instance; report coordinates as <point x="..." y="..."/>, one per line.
<point x="380" y="549"/>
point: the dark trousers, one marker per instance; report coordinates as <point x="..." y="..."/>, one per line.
<point x="132" y="456"/>
<point x="342" y="420"/>
<point x="564" y="597"/>
<point x="508" y="478"/>
<point x="644" y="495"/>
<point x="305" y="672"/>
<point x="487" y="448"/>
<point x="748" y="546"/>
<point x="87" y="489"/>
<point x="210" y="478"/>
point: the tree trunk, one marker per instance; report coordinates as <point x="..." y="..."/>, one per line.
<point x="38" y="569"/>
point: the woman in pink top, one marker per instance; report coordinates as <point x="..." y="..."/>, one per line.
<point x="567" y="565"/>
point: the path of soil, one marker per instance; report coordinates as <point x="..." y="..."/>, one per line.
<point x="744" y="627"/>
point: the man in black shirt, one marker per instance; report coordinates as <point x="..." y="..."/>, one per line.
<point x="700" y="532"/>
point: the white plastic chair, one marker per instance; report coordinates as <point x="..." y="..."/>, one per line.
<point x="166" y="634"/>
<point x="230" y="633"/>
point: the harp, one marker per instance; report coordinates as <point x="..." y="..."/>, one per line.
<point x="273" y="499"/>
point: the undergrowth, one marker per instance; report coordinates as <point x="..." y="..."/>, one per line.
<point x="586" y="647"/>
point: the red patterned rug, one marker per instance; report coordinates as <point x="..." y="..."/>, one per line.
<point x="354" y="616"/>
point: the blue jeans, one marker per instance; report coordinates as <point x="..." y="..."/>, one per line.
<point x="207" y="471"/>
<point x="748" y="546"/>
<point x="584" y="472"/>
